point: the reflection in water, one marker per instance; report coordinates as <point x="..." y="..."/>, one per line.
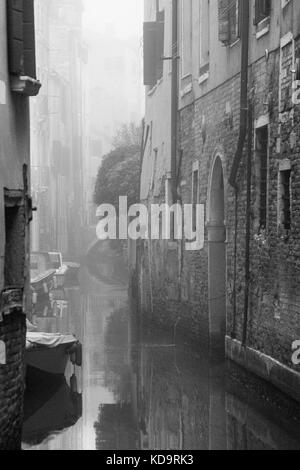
<point x="180" y="398"/>
<point x="50" y="407"/>
<point x="115" y="428"/>
<point x="144" y="392"/>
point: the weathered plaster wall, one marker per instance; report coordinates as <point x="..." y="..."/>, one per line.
<point x="14" y="154"/>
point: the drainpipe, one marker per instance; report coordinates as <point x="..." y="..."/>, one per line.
<point x="245" y="15"/>
<point x="142" y="155"/>
<point x="236" y="201"/>
<point x="248" y="225"/>
<point x="244" y="91"/>
<point x="174" y="99"/>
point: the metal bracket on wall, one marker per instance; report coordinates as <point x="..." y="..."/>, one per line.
<point x="171" y="58"/>
<point x="29" y="209"/>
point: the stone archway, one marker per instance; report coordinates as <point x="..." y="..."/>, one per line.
<point x="217" y="255"/>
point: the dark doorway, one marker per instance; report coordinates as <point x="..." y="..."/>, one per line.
<point x="217" y="307"/>
<point x="217" y="258"/>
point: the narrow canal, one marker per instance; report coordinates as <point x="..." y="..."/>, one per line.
<point x="138" y="391"/>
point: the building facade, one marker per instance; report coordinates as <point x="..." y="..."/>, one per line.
<point x="60" y="143"/>
<point x="236" y="153"/>
<point x="17" y="83"/>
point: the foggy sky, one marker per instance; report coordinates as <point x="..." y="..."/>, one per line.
<point x="125" y="16"/>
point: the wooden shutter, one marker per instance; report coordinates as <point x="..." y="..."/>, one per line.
<point x="21" y="38"/>
<point x="29" y="39"/>
<point x="224" y="24"/>
<point x="160" y="43"/>
<point x="150" y="53"/>
<point x="15" y="36"/>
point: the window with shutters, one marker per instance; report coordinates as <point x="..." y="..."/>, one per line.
<point x="154" y="35"/>
<point x="262" y="10"/>
<point x="21" y="46"/>
<point x="229" y="21"/>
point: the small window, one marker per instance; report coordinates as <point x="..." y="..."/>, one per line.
<point x="297" y="68"/>
<point x="186" y="37"/>
<point x="285" y="199"/>
<point x="229" y="21"/>
<point x="153" y="177"/>
<point x="204" y="37"/>
<point x="2" y="353"/>
<point x="262" y="146"/>
<point x="262" y="10"/>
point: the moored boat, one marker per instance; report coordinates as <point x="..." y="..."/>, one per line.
<point x="51" y="352"/>
<point x="41" y="273"/>
<point x="61" y="269"/>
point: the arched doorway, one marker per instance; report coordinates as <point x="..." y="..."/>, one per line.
<point x="217" y="257"/>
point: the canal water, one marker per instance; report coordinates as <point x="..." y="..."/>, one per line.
<point x="142" y="391"/>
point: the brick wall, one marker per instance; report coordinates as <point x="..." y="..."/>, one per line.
<point x="173" y="282"/>
<point x="12" y="333"/>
